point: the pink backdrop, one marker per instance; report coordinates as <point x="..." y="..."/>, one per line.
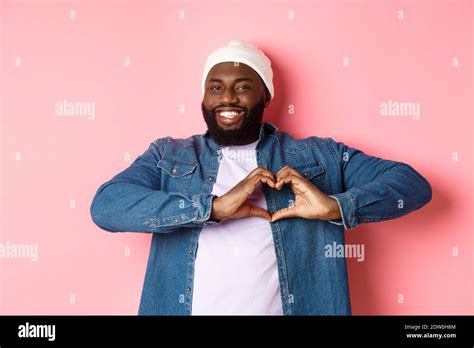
<point x="137" y="66"/>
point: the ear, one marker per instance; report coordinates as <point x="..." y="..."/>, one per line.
<point x="267" y="97"/>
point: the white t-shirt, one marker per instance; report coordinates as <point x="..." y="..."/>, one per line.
<point x="236" y="268"/>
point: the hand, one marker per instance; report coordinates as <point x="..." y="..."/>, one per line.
<point x="310" y="202"/>
<point x="234" y="205"/>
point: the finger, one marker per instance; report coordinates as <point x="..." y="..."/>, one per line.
<point x="261" y="170"/>
<point x="284" y="213"/>
<point x="295" y="181"/>
<point x="251" y="184"/>
<point x="286" y="171"/>
<point x="268" y="180"/>
<point x="281" y="170"/>
<point x="281" y="176"/>
<point x="284" y="180"/>
<point x="257" y="179"/>
<point x="259" y="175"/>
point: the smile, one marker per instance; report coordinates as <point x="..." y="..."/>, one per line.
<point x="230" y="114"/>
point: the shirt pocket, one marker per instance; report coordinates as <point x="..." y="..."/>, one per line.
<point x="313" y="171"/>
<point x="176" y="174"/>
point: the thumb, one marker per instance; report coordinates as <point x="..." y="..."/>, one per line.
<point x="283" y="213"/>
<point x="259" y="212"/>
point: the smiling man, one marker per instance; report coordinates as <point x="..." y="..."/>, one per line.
<point x="243" y="214"/>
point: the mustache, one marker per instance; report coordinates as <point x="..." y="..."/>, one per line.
<point x="246" y="110"/>
<point x="250" y="123"/>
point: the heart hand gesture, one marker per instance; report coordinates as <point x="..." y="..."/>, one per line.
<point x="310" y="202"/>
<point x="234" y="204"/>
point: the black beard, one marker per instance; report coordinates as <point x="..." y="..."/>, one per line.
<point x="246" y="133"/>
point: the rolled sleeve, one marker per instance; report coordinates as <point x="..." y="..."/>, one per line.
<point x="203" y="204"/>
<point x="347" y="209"/>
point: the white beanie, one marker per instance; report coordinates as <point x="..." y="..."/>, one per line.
<point x="242" y="52"/>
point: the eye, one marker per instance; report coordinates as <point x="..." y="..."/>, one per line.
<point x="213" y="88"/>
<point x="242" y="87"/>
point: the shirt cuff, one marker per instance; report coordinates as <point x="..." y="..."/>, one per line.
<point x="203" y="204"/>
<point x="346" y="202"/>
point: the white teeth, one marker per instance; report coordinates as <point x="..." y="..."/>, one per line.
<point x="229" y="114"/>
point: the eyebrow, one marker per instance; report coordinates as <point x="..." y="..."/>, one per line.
<point x="243" y="78"/>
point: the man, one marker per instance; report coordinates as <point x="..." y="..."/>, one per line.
<point x="241" y="215"/>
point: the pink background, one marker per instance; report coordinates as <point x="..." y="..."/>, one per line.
<point x="45" y="196"/>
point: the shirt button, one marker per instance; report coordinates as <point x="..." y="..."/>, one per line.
<point x="190" y="251"/>
<point x="188" y="289"/>
<point x="210" y="178"/>
<point x="173" y="171"/>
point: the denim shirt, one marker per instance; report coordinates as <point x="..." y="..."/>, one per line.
<point x="167" y="191"/>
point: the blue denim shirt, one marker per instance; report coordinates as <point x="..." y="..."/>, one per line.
<point x="167" y="191"/>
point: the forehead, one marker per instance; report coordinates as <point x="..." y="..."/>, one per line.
<point x="231" y="71"/>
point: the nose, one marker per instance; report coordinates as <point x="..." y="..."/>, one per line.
<point x="228" y="97"/>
